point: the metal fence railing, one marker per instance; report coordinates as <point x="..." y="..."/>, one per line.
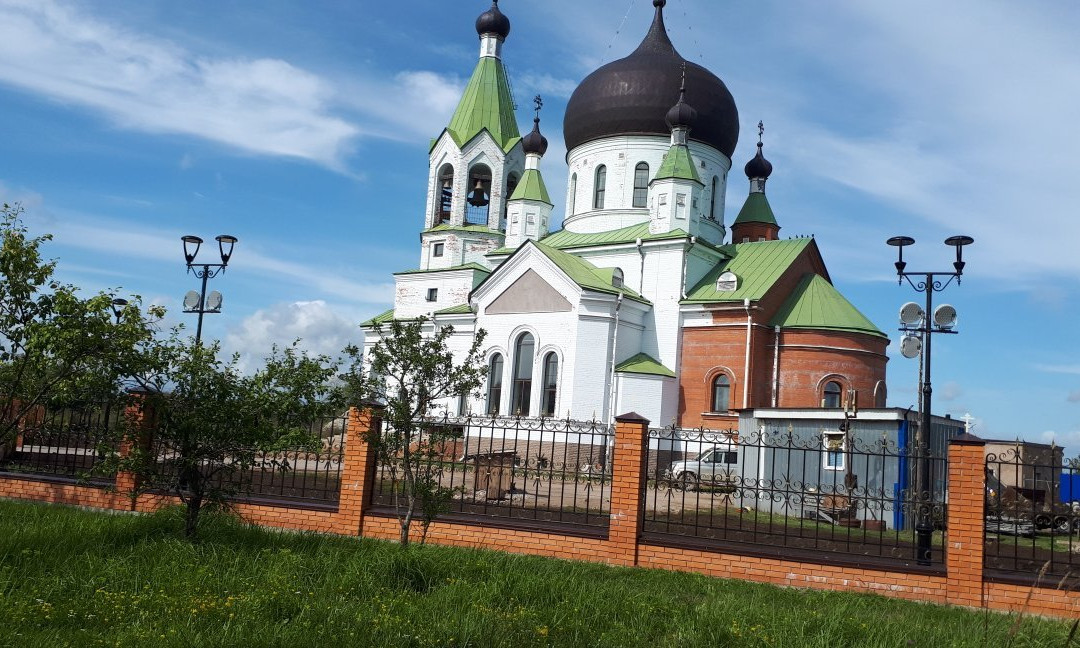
<point x="1032" y="521"/>
<point x="67" y="442"/>
<point x="546" y="471"/>
<point x="782" y="493"/>
<point x="302" y="474"/>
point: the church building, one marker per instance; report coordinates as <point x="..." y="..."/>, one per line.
<point x="648" y="299"/>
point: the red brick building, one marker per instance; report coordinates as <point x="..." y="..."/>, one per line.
<point x="767" y="328"/>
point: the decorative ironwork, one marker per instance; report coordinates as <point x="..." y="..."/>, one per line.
<point x="1032" y="513"/>
<point x="780" y="490"/>
<point x="551" y="470"/>
<point x="67" y="442"/>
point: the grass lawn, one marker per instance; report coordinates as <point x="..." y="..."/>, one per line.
<point x="77" y="578"/>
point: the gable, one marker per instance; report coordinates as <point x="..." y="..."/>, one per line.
<point x="529" y="294"/>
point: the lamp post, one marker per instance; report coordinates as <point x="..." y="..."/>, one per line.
<point x="118" y="304"/>
<point x="198" y="302"/>
<point x="927" y="283"/>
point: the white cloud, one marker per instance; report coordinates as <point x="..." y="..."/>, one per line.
<point x="320" y="329"/>
<point x="264" y="106"/>
<point x="951" y="391"/>
<point x="1059" y="369"/>
<point x="1073" y="397"/>
<point x="544" y="84"/>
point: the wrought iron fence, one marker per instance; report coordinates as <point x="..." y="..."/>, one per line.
<point x="1032" y="513"/>
<point x="68" y="442"/>
<point x="785" y="493"/>
<point x="299" y="474"/>
<point x="547" y="471"/>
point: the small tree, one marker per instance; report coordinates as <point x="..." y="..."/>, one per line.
<point x="210" y="421"/>
<point x="408" y="370"/>
<point x="57" y="348"/>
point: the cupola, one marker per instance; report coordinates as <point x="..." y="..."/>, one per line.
<point x="756" y="221"/>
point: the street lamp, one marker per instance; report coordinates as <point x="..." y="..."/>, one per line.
<point x="118" y="304"/>
<point x="927" y="283"/>
<point x="200" y="302"/>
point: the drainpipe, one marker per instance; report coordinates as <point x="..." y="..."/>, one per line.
<point x="614" y="346"/>
<point x="746" y="368"/>
<point x="776" y="367"/>
<point x="641" y="273"/>
<point x="685" y="262"/>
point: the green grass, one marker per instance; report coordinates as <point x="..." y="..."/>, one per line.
<point x="70" y="577"/>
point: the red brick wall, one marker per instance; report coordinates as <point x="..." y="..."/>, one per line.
<point x="962" y="583"/>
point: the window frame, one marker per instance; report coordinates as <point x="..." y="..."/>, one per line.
<point x="521" y="379"/>
<point x="438" y="249"/>
<point x="641" y="186"/>
<point x="550" y="384"/>
<point x="827" y="394"/>
<point x="712" y="392"/>
<point x="599" y="186"/>
<point x="833" y="457"/>
<point x="432" y="295"/>
<point x="495" y="382"/>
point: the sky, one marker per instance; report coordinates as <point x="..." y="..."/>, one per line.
<point x="302" y="128"/>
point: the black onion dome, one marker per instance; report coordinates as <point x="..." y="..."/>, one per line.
<point x="682" y="113"/>
<point x="534" y="142"/>
<point x="493" y="21"/>
<point x="633" y="96"/>
<point x="759" y="167"/>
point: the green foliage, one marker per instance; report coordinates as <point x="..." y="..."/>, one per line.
<point x="210" y="421"/>
<point x="79" y="578"/>
<point x="408" y="370"/>
<point x="57" y="348"/>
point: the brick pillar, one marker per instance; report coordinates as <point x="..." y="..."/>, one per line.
<point x="139" y="421"/>
<point x="358" y="468"/>
<point x="627" y="487"/>
<point x="965" y="531"/>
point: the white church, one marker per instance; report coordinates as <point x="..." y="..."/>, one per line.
<point x="589" y="321"/>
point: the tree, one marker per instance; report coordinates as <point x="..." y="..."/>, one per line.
<point x="210" y="421"/>
<point x="57" y="348"/>
<point x="407" y="371"/>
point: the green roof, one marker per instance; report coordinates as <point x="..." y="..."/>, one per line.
<point x="381" y="318"/>
<point x="644" y="364"/>
<point x="677" y="164"/>
<point x="467" y="266"/>
<point x="817" y="304"/>
<point x="586" y="274"/>
<point x="486" y="105"/>
<point x="565" y="239"/>
<point x="480" y="229"/>
<point x="757" y="265"/>
<point x="531" y="187"/>
<point x="756" y="209"/>
<point x="460" y="309"/>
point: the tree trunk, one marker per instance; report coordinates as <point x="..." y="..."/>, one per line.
<point x="191" y="524"/>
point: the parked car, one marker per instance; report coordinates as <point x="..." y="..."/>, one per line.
<point x="717" y="466"/>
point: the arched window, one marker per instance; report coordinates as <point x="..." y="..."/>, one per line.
<point x="721" y="393"/>
<point x="511" y="185"/>
<point x="641" y="185"/>
<point x="600" y="187"/>
<point x="445" y="194"/>
<point x="880" y="394"/>
<point x="523" y="367"/>
<point x="831" y="395"/>
<point x="712" y="199"/>
<point x="572" y="197"/>
<point x="478" y="198"/>
<point x="617" y="278"/>
<point x="551" y="383"/>
<point x="495" y="378"/>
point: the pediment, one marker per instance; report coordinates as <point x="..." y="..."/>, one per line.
<point x="529" y="293"/>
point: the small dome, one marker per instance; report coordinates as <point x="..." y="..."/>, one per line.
<point x="493" y="21"/>
<point x="759" y="167"/>
<point x="632" y="96"/>
<point x="534" y="142"/>
<point x="682" y="113"/>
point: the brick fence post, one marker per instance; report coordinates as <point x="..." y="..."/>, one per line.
<point x="627" y="487"/>
<point x="966" y="521"/>
<point x="139" y="423"/>
<point x="358" y="468"/>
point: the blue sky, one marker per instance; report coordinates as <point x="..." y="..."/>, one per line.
<point x="302" y="128"/>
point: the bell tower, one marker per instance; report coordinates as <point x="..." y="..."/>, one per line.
<point x="476" y="162"/>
